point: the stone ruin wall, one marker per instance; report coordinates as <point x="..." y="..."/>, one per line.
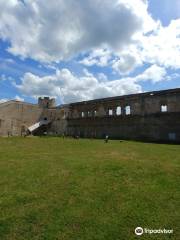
<point x="16" y="117"/>
<point x="58" y="118"/>
<point x="147" y="116"/>
<point x="140" y="104"/>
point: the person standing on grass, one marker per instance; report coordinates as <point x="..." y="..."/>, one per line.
<point x="106" y="139"/>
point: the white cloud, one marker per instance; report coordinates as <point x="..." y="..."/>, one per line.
<point x="61" y="29"/>
<point x="159" y="47"/>
<point x="126" y="64"/>
<point x="140" y="9"/>
<point x="3" y="100"/>
<point x="102" y="77"/>
<point x="99" y="57"/>
<point x="3" y="77"/>
<point x="18" y="98"/>
<point x="154" y="73"/>
<point x="163" y="46"/>
<point x="119" y="34"/>
<point x="123" y="62"/>
<point x="173" y="76"/>
<point x="70" y="88"/>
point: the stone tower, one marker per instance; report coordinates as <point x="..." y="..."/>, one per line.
<point x="46" y="102"/>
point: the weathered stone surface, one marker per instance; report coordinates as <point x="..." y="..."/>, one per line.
<point x="16" y="117"/>
<point x="152" y="116"/>
<point x="136" y="116"/>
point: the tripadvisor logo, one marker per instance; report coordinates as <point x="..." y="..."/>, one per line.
<point x="139" y="231"/>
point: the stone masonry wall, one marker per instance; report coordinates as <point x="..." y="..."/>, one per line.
<point x="16" y="117"/>
<point x="153" y="116"/>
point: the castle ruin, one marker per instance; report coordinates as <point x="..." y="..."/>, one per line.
<point x="151" y="116"/>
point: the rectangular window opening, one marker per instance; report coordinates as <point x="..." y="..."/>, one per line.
<point x="110" y="112"/>
<point x="172" y="136"/>
<point x="127" y="110"/>
<point x="164" y="108"/>
<point x="118" y="111"/>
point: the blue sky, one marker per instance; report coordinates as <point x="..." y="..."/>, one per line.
<point x="165" y="10"/>
<point x="88" y="49"/>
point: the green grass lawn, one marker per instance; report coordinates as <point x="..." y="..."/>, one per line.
<point x="52" y="189"/>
